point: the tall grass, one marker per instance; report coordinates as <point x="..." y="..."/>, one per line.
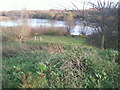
<point x="54" y="31"/>
<point x="13" y="33"/>
<point x="25" y="32"/>
<point x="10" y="34"/>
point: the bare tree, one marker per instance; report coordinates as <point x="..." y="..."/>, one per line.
<point x="102" y="18"/>
<point x="68" y="17"/>
<point x="25" y="30"/>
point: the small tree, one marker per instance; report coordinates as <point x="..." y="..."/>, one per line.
<point x="103" y="18"/>
<point x="25" y="31"/>
<point x="68" y="17"/>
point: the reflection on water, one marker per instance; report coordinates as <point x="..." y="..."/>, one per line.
<point x="48" y="23"/>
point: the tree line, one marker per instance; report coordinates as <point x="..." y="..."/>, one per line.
<point x="42" y="14"/>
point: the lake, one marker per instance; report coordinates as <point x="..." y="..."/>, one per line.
<point x="48" y="23"/>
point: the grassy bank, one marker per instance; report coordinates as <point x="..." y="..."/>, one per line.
<point x="58" y="62"/>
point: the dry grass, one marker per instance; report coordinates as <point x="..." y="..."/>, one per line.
<point x="49" y="31"/>
<point x="15" y="33"/>
<point x="25" y="32"/>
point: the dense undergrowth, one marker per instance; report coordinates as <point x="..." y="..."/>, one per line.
<point x="59" y="62"/>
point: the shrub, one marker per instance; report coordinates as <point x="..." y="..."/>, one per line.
<point x="28" y="81"/>
<point x="111" y="42"/>
<point x="35" y="64"/>
<point x="54" y="31"/>
<point x="11" y="34"/>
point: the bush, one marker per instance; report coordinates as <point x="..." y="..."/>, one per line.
<point x="43" y="15"/>
<point x="9" y="34"/>
<point x="12" y="34"/>
<point x="111" y="42"/>
<point x="64" y="62"/>
<point x="77" y="67"/>
<point x="53" y="31"/>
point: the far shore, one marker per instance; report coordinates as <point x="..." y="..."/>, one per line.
<point x="4" y="18"/>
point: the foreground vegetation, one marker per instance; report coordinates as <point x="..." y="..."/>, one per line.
<point x="58" y="62"/>
<point x="53" y="58"/>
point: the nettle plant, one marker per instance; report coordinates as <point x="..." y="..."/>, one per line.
<point x="41" y="68"/>
<point x="37" y="81"/>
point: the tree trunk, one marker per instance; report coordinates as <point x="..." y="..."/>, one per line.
<point x="68" y="31"/>
<point x="103" y="42"/>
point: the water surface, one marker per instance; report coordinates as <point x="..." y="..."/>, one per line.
<point x="77" y="29"/>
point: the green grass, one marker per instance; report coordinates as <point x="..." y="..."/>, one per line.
<point x="59" y="62"/>
<point x="62" y="40"/>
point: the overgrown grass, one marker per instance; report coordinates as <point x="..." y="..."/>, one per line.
<point x="59" y="62"/>
<point x="12" y="34"/>
<point x="53" y="31"/>
<point x="56" y="61"/>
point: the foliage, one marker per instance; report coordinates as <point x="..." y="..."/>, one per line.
<point x="57" y="61"/>
<point x="41" y="14"/>
<point x="60" y="62"/>
<point x="54" y="32"/>
<point x="101" y="18"/>
<point x="41" y="67"/>
<point x="33" y="82"/>
<point x="111" y="42"/>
